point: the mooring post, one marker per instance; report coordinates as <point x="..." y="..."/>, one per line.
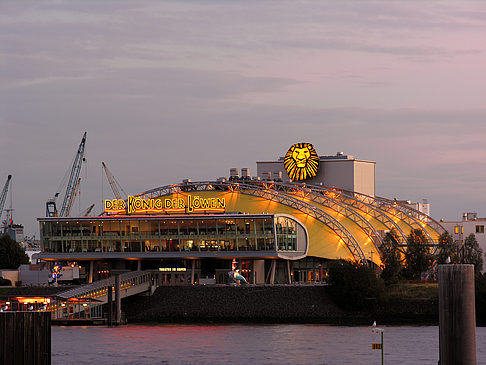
<point x="25" y="338"/>
<point x="457" y="315"/>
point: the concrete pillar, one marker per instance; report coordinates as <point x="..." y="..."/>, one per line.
<point x="272" y="272"/>
<point x="139" y="265"/>
<point x="457" y="315"/>
<point x="117" y="299"/>
<point x="91" y="271"/>
<point x="259" y="271"/>
<point x="110" y="305"/>
<point x="193" y="271"/>
<point x="288" y="272"/>
<point x="253" y="273"/>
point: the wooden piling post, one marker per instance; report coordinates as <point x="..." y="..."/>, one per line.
<point x="457" y="315"/>
<point x="25" y="338"/>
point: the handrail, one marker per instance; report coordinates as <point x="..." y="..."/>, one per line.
<point x="99" y="288"/>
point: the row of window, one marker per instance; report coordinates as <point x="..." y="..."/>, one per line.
<point x="479" y="229"/>
<point x="61" y="245"/>
<point x="217" y="234"/>
<point x="209" y="227"/>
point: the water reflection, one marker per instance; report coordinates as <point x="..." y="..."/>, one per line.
<point x="246" y="344"/>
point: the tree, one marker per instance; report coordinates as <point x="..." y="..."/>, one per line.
<point x="352" y="284"/>
<point x="417" y="257"/>
<point x="11" y="254"/>
<point x="391" y="257"/>
<point x="5" y="282"/>
<point x="471" y="253"/>
<point x="447" y="248"/>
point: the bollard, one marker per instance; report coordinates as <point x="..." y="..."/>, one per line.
<point x="457" y="315"/>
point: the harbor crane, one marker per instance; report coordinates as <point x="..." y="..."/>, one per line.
<point x="72" y="186"/>
<point x="87" y="211"/>
<point x="113" y="183"/>
<point x="3" y="197"/>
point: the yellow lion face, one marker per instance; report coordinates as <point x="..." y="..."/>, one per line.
<point x="300" y="156"/>
<point x="301" y="161"/>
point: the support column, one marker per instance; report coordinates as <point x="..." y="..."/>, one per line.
<point x="272" y="272"/>
<point x="139" y="265"/>
<point x="193" y="271"/>
<point x="117" y="299"/>
<point x="110" y="305"/>
<point x="253" y="273"/>
<point x="288" y="271"/>
<point x="91" y="270"/>
<point x="457" y="315"/>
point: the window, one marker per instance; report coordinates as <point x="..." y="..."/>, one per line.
<point x="456" y="229"/>
<point x="480" y="229"/>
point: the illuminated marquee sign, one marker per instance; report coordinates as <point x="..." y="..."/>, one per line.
<point x="191" y="204"/>
<point x="301" y="161"/>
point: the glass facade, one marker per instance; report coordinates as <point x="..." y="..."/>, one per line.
<point x="166" y="234"/>
<point x="286" y="230"/>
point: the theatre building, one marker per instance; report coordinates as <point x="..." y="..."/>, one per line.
<point x="275" y="231"/>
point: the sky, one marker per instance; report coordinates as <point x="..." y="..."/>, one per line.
<point x="169" y="90"/>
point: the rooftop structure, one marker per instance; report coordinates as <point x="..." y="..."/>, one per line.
<point x="337" y="171"/>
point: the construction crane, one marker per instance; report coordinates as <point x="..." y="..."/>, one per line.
<point x="87" y="211"/>
<point x="72" y="198"/>
<point x="72" y="186"/>
<point x="3" y="197"/>
<point x="113" y="183"/>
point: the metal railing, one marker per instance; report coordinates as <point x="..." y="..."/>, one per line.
<point x="99" y="289"/>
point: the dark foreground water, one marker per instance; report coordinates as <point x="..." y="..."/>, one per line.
<point x="247" y="344"/>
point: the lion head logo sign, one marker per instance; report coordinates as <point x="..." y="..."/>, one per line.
<point x="301" y="161"/>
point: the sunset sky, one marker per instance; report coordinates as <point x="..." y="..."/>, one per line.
<point x="173" y="90"/>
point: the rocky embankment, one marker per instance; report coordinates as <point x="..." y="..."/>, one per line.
<point x="267" y="304"/>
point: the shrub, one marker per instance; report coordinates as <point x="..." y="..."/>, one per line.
<point x="5" y="282"/>
<point x="354" y="285"/>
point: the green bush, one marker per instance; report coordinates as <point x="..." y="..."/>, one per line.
<point x="354" y="286"/>
<point x="5" y="282"/>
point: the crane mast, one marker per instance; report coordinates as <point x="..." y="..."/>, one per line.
<point x="87" y="211"/>
<point x="72" y="199"/>
<point x="51" y="209"/>
<point x="112" y="181"/>
<point x="3" y="197"/>
<point x="73" y="178"/>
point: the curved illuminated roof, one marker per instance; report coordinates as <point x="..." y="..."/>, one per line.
<point x="341" y="224"/>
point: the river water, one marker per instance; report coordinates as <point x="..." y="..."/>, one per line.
<point x="248" y="344"/>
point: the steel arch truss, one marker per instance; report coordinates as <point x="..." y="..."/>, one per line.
<point x="269" y="194"/>
<point x="352" y="205"/>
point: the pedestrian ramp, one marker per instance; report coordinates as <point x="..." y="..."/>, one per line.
<point x="130" y="283"/>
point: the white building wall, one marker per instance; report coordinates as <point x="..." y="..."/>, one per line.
<point x="459" y="230"/>
<point x="364" y="177"/>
